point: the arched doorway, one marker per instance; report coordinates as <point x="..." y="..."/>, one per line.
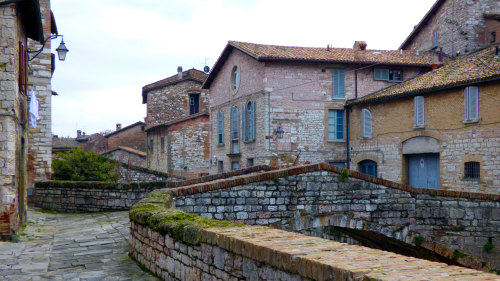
<point x="368" y="167"/>
<point x="422" y="156"/>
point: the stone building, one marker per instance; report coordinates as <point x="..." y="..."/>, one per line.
<point x="19" y="21"/>
<point x="284" y="105"/>
<point x="438" y="130"/>
<point x="41" y="69"/>
<point x="178" y="125"/>
<point x="132" y="136"/>
<point x="127" y="155"/>
<point x="458" y="27"/>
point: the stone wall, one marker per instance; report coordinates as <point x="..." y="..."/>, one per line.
<point x="460" y="26"/>
<point x="65" y="196"/>
<point x="460" y="142"/>
<point x="40" y="138"/>
<point x="136" y="158"/>
<point x="132" y="173"/>
<point x="181" y="246"/>
<point x="13" y="128"/>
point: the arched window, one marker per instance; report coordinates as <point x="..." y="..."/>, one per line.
<point x="220" y="127"/>
<point x="368" y="167"/>
<point x="366" y="123"/>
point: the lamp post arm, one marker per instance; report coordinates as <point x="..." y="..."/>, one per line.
<point x="37" y="52"/>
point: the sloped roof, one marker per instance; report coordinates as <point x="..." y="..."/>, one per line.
<point x="191" y="74"/>
<point x="432" y="11"/>
<point x="273" y="53"/>
<point x="32" y="19"/>
<point x="128" y="149"/>
<point x="138" y="123"/>
<point x="64" y="143"/>
<point x="478" y="67"/>
<point x="179" y="120"/>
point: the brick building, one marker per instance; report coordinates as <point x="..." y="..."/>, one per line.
<point x="177" y="124"/>
<point x="438" y="130"/>
<point x="132" y="136"/>
<point x="456" y="26"/>
<point x="285" y="105"/>
<point x="19" y="21"/>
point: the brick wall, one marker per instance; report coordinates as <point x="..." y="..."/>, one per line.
<point x="296" y="97"/>
<point x="13" y="113"/>
<point x="393" y="123"/>
<point x="133" y="137"/>
<point x="460" y="25"/>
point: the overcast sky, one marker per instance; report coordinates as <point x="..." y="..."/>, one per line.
<point x="118" y="46"/>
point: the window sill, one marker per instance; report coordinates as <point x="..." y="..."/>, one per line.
<point x="336" y="141"/>
<point x="419" y="127"/>
<point x="220" y="145"/>
<point x="247" y="142"/>
<point x="366" y="138"/>
<point x="470" y="122"/>
<point x="234" y="155"/>
<point x="471" y="180"/>
<point x="338" y="99"/>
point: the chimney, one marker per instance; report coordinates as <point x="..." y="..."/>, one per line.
<point x="118" y="126"/>
<point x="179" y="72"/>
<point x="359" y="45"/>
<point x="78" y="133"/>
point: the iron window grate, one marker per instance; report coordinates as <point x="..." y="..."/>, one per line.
<point x="472" y="170"/>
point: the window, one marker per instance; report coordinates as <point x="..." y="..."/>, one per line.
<point x="387" y="74"/>
<point x="248" y="121"/>
<point x="220" y="128"/>
<point x="151" y="146"/>
<point x="194" y="103"/>
<point x="235" y="78"/>
<point x="220" y="166"/>
<point x="471" y="170"/>
<point x="493" y="37"/>
<point x="366" y="123"/>
<point x="234" y="129"/>
<point x="338" y="83"/>
<point x="434" y="39"/>
<point x="419" y="111"/>
<point x="250" y="162"/>
<point x="471" y="104"/>
<point x="235" y="165"/>
<point x="340" y="164"/>
<point x="368" y="167"/>
<point x="335" y="125"/>
<point x="162" y="144"/>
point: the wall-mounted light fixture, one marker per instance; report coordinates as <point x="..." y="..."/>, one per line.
<point x="61" y="50"/>
<point x="279" y="132"/>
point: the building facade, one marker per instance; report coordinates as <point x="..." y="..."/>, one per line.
<point x="18" y="21"/>
<point x="177" y="124"/>
<point x="280" y="105"/>
<point x="439" y="130"/>
<point x="132" y="136"/>
<point x="458" y="27"/>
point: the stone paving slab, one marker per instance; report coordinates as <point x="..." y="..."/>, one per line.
<point x="79" y="247"/>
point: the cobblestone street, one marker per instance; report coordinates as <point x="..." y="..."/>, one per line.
<point x="56" y="246"/>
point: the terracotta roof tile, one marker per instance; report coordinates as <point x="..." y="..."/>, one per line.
<point x="128" y="149"/>
<point x="191" y="74"/>
<point x="478" y="67"/>
<point x="341" y="55"/>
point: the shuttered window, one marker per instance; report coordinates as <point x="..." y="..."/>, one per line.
<point x="419" y="111"/>
<point x="251" y="121"/>
<point x="471" y="103"/>
<point x="244" y="118"/>
<point x="220" y="127"/>
<point x="434" y="39"/>
<point x="366" y="123"/>
<point x="387" y="74"/>
<point x="234" y="123"/>
<point x="338" y="83"/>
<point x="335" y="125"/>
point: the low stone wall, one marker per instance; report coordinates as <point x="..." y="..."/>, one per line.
<point x="66" y="196"/>
<point x="180" y="246"/>
<point x="131" y="173"/>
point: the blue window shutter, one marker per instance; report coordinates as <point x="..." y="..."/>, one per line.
<point x="251" y="121"/>
<point x="220" y="127"/>
<point x="473" y="103"/>
<point x="338" y="83"/>
<point x="340" y="125"/>
<point x="419" y="111"/>
<point x="244" y="122"/>
<point x="234" y="123"/>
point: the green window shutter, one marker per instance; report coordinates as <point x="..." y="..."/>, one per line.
<point x="234" y="123"/>
<point x="251" y="121"/>
<point x="338" y="83"/>
<point x="419" y="111"/>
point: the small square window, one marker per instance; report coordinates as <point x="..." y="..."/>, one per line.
<point x="471" y="170"/>
<point x="250" y="162"/>
<point x="194" y="103"/>
<point x="220" y="166"/>
<point x="235" y="165"/>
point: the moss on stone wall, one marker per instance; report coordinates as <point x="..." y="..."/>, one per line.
<point x="156" y="212"/>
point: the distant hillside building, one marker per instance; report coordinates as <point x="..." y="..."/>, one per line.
<point x="178" y="125"/>
<point x="458" y="27"/>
